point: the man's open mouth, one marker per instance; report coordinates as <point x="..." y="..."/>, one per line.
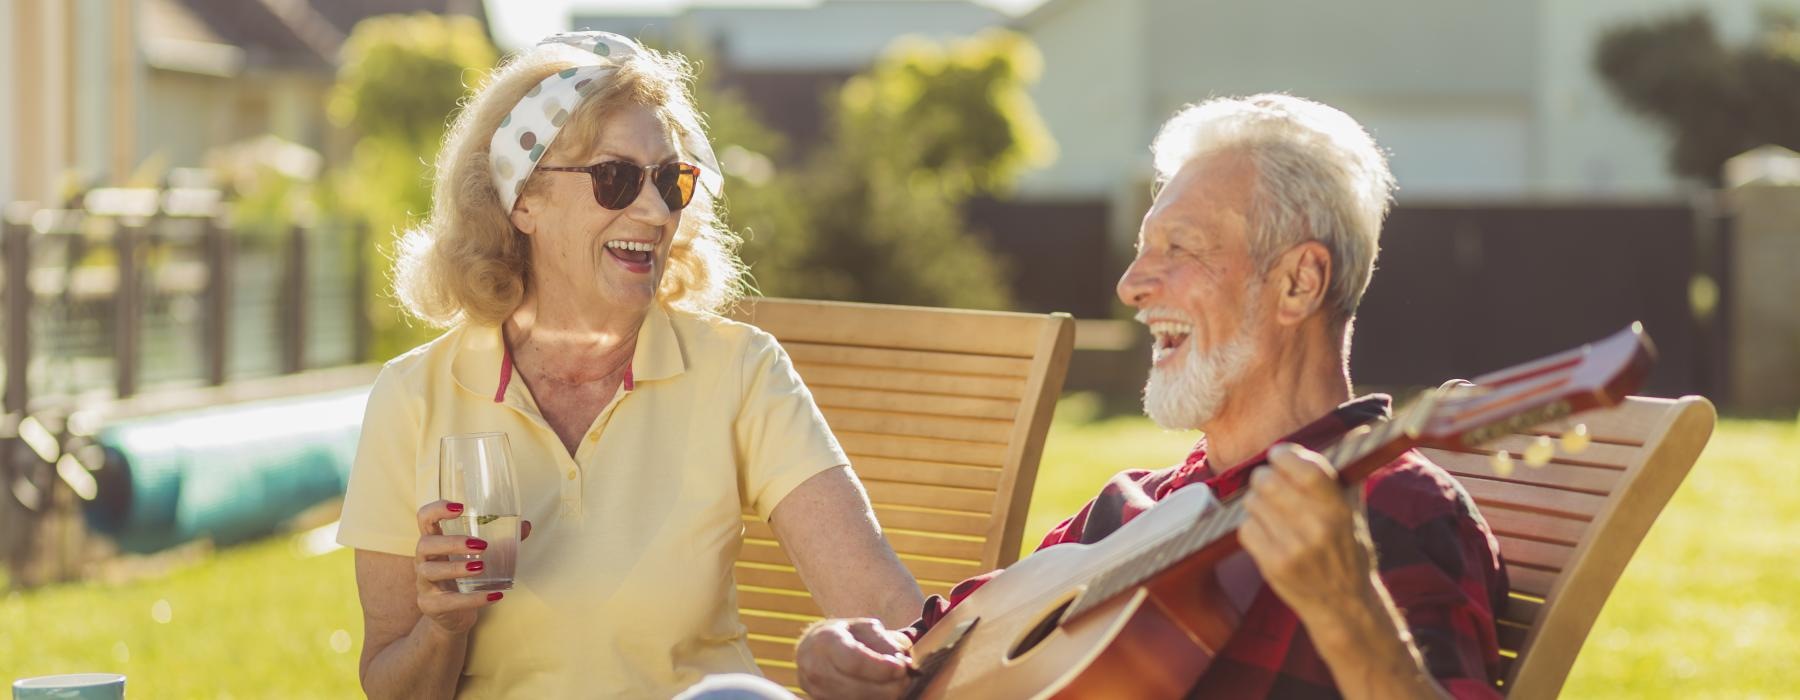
<point x="1166" y="337"/>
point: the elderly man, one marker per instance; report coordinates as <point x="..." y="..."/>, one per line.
<point x="1249" y="269"/>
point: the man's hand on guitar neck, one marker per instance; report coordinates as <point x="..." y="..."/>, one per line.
<point x="1314" y="552"/>
<point x="853" y="659"/>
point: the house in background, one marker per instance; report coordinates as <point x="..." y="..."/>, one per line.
<point x="785" y="59"/>
<point x="94" y="90"/>
<point x="1473" y="101"/>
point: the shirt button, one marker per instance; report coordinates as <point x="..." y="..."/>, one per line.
<point x="593" y="437"/>
<point x="571" y="475"/>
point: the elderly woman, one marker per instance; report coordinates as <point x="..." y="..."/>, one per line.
<point x="574" y="252"/>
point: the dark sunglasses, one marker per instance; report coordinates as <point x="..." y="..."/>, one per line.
<point x="617" y="182"/>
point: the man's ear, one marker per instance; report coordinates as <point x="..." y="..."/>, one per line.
<point x="1303" y="275"/>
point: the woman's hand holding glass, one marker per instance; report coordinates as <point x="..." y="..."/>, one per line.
<point x="436" y="572"/>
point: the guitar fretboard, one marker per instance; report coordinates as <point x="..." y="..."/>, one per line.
<point x="1349" y="455"/>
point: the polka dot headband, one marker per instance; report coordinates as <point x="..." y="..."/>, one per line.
<point x="526" y="132"/>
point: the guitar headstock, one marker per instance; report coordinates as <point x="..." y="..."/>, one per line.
<point x="1595" y="375"/>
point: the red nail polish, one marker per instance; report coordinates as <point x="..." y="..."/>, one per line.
<point x="454" y="507"/>
<point x="477" y="544"/>
<point x="496" y="595"/>
<point x="476" y="566"/>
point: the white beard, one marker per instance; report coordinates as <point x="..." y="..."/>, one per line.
<point x="1186" y="398"/>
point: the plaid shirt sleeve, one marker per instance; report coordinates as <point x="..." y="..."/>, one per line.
<point x="1441" y="566"/>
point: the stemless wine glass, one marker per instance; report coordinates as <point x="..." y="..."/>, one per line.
<point x="476" y="470"/>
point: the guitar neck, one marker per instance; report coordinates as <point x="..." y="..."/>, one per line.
<point x="1355" y="456"/>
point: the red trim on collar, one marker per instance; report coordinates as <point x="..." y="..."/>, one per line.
<point x="506" y="372"/>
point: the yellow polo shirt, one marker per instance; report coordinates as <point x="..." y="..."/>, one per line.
<point x="625" y="587"/>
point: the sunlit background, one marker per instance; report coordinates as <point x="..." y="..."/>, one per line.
<point x="201" y="198"/>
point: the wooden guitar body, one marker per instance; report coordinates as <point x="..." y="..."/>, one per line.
<point x="1153" y="642"/>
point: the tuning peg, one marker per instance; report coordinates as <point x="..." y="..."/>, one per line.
<point x="1576" y="439"/>
<point x="1540" y="452"/>
<point x="1503" y="464"/>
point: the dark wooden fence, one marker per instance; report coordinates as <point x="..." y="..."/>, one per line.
<point x="1459" y="289"/>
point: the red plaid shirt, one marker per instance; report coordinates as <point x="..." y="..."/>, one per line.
<point x="1436" y="557"/>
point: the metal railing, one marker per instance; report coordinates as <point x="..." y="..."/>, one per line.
<point x="147" y="291"/>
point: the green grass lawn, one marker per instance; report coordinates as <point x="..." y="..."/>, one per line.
<point x="1706" y="608"/>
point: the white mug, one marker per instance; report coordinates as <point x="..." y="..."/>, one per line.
<point x="73" y="686"/>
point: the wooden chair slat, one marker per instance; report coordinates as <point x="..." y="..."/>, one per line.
<point x="772" y="649"/>
<point x="946" y="521"/>
<point x="776" y="602"/>
<point x="945" y="572"/>
<point x="1632" y="423"/>
<point x="926" y="495"/>
<point x="1517" y="496"/>
<point x="1543" y="555"/>
<point x="911" y="381"/>
<point x="1554" y="474"/>
<point x="1529" y="525"/>
<point x="1512" y="637"/>
<point x="898" y="327"/>
<point x="1521" y="611"/>
<point x="1528" y="580"/>
<point x="760" y="623"/>
<point x="976" y="454"/>
<point x="982" y="430"/>
<point x="789" y="580"/>
<point x="943" y="413"/>
<point x="930" y="546"/>
<point x="903" y="542"/>
<point x="924" y="361"/>
<point x="925" y="404"/>
<point x="1598" y="454"/>
<point x="901" y="470"/>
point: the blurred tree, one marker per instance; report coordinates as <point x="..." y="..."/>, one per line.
<point x="1717" y="101"/>
<point x="875" y="213"/>
<point x="401" y="78"/>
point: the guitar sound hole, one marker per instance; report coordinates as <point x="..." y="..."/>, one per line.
<point x="1041" y="631"/>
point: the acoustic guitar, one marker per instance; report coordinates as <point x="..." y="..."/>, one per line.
<point x="1142" y="612"/>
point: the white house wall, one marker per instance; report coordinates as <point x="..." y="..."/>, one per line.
<point x="1092" y="96"/>
<point x="1444" y="87"/>
<point x="835" y="35"/>
<point x="185" y="114"/>
<point x="1495" y="100"/>
<point x="1325" y="48"/>
<point x="94" y="90"/>
<point x="9" y="91"/>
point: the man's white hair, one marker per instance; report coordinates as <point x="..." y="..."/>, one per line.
<point x="1319" y="177"/>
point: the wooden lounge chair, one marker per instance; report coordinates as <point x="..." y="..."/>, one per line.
<point x="943" y="413"/>
<point x="915" y="393"/>
<point x="1567" y="530"/>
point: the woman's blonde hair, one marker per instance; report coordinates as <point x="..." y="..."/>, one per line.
<point x="467" y="263"/>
